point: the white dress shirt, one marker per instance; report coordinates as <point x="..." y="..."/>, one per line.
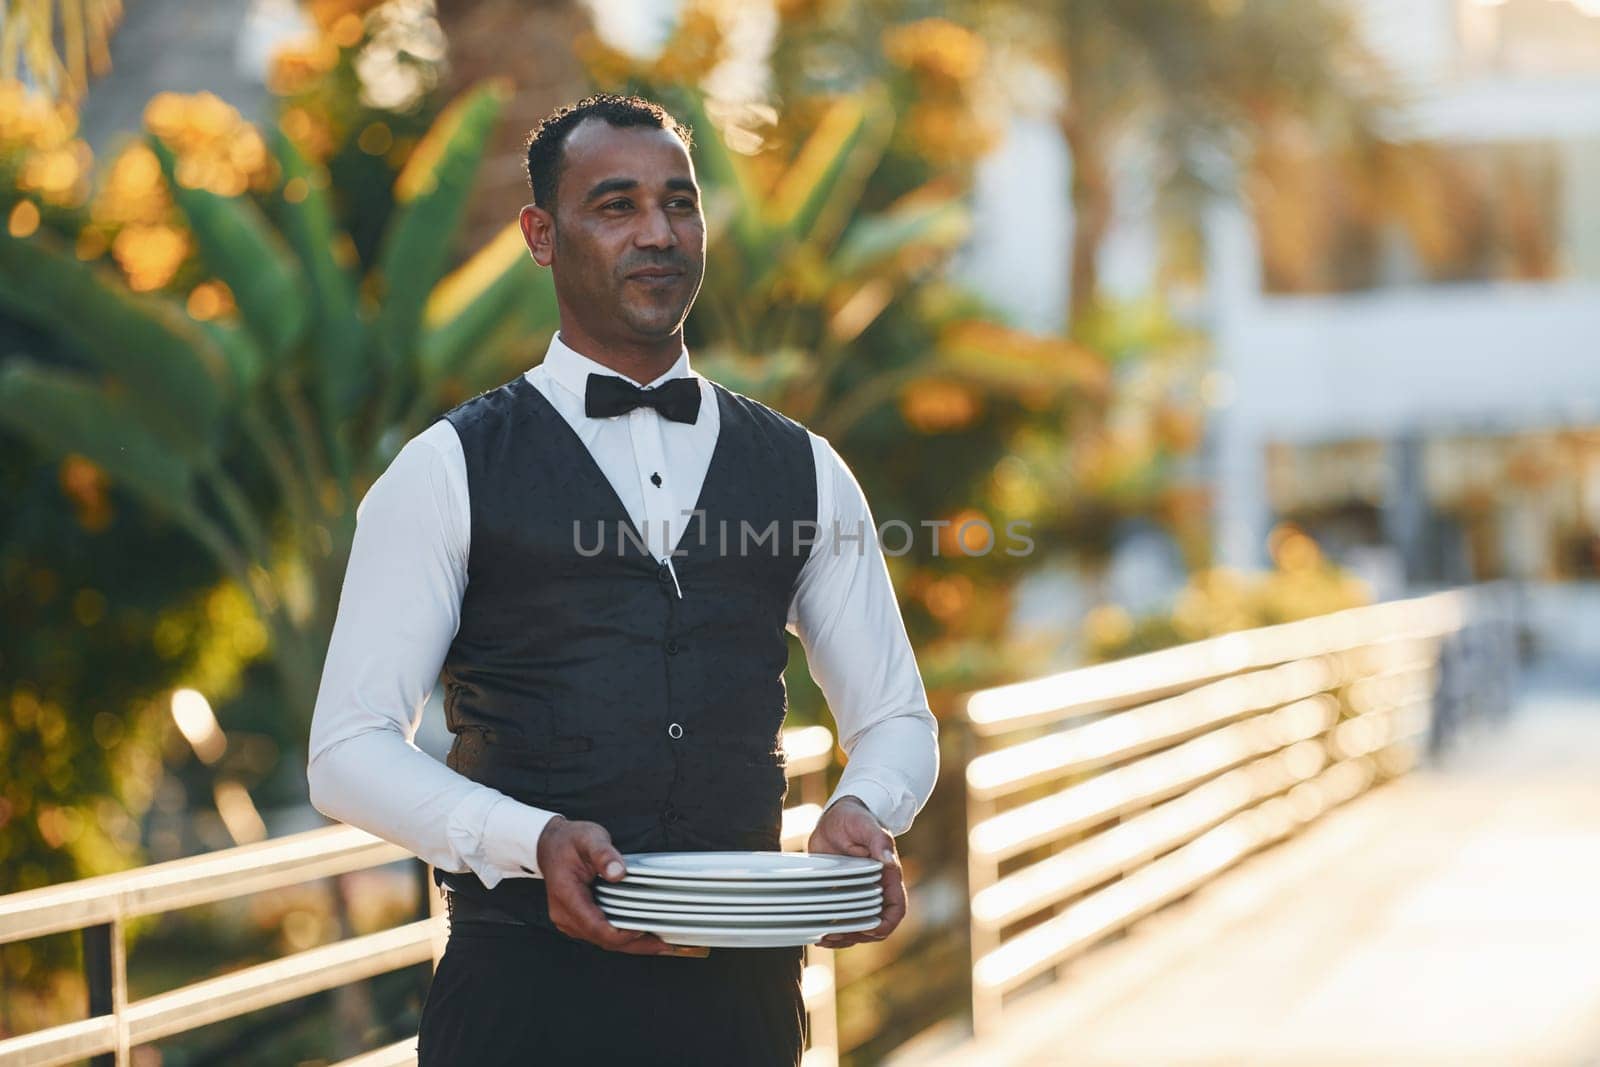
<point x="401" y="606"/>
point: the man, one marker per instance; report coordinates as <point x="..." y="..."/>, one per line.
<point x="605" y="574"/>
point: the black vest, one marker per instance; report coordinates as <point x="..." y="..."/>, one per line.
<point x="578" y="681"/>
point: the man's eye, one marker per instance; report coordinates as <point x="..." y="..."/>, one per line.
<point x="612" y="205"/>
<point x="683" y="202"/>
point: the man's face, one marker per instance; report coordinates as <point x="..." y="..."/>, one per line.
<point x="628" y="244"/>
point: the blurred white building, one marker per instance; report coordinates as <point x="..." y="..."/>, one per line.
<point x="1429" y="418"/>
<point x="1410" y="394"/>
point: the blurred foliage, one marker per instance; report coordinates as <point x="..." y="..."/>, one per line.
<point x="92" y="635"/>
<point x="221" y="332"/>
<point x="254" y="413"/>
<point x="492" y="40"/>
<point x="58" y="61"/>
<point x="355" y="97"/>
<point x="1303" y="583"/>
<point x="1328" y="215"/>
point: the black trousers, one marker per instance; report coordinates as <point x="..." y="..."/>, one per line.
<point x="507" y="994"/>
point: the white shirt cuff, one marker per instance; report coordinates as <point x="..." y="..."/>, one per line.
<point x="879" y="801"/>
<point x="504" y="844"/>
<point x="511" y="837"/>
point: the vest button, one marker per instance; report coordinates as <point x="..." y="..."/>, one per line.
<point x="672" y="646"/>
<point x="663" y="575"/>
<point x="669" y="816"/>
<point x="675" y="731"/>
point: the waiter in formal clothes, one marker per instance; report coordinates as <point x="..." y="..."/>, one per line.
<point x="602" y="556"/>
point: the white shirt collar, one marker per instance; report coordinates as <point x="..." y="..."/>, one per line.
<point x="571" y="370"/>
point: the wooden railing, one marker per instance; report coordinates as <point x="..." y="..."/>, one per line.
<point x="1101" y="794"/>
<point x="101" y="907"/>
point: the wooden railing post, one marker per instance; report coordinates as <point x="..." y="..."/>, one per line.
<point x="97" y="977"/>
<point x="105" y="977"/>
<point x="981" y="873"/>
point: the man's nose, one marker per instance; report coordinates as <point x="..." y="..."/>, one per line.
<point x="655" y="231"/>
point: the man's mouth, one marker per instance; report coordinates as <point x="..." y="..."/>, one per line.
<point x="656" y="274"/>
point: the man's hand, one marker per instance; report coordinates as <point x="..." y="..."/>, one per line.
<point x="847" y="828"/>
<point x="573" y="854"/>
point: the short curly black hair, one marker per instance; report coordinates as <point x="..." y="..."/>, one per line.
<point x="546" y="140"/>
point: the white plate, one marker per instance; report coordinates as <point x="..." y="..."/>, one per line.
<point x="743" y="937"/>
<point x="807" y="885"/>
<point x="728" y="918"/>
<point x="608" y="903"/>
<point x="622" y="891"/>
<point x="749" y="866"/>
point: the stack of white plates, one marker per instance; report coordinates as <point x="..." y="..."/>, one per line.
<point x="743" y="899"/>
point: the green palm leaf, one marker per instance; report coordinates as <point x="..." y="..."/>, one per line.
<point x="430" y="197"/>
<point x="240" y="247"/>
<point x="817" y="194"/>
<point x="176" y="377"/>
<point x="872" y="240"/>
<point x="239" y="348"/>
<point x="342" y="367"/>
<point x="498" y="288"/>
<point x="61" y="412"/>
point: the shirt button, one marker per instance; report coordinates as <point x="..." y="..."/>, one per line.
<point x="675" y="731"/>
<point x="672" y="646"/>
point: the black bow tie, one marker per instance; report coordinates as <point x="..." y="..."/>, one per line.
<point x="607" y="395"/>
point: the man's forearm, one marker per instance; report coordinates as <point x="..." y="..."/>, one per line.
<point x="892" y="769"/>
<point x="381" y="783"/>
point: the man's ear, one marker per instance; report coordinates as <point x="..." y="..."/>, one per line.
<point x="539" y="232"/>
